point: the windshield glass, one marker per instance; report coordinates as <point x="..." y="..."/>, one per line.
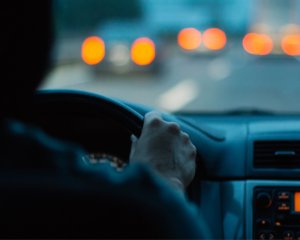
<point x="181" y="55"/>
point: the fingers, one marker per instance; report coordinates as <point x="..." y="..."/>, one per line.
<point x="165" y="148"/>
<point x="155" y="119"/>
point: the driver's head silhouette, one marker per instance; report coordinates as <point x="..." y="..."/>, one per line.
<point x="25" y="43"/>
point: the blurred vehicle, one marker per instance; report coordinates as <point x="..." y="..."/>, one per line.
<point x="211" y="41"/>
<point x="130" y="47"/>
<point x="275" y="30"/>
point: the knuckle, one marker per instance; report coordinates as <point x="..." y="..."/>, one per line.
<point x="185" y="137"/>
<point x="193" y="152"/>
<point x="174" y="128"/>
<point x="155" y="122"/>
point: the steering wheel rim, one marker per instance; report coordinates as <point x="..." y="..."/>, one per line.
<point x="47" y="102"/>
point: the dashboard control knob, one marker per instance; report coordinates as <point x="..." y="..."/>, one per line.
<point x="263" y="200"/>
<point x="288" y="235"/>
<point x="264" y="235"/>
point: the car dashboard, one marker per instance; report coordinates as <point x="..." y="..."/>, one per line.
<point x="247" y="184"/>
<point x="255" y="171"/>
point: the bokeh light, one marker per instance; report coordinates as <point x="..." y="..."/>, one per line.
<point x="291" y="45"/>
<point x="267" y="45"/>
<point x="93" y="50"/>
<point x="259" y="44"/>
<point x="214" y="38"/>
<point x="189" y="38"/>
<point x="143" y="51"/>
<point x="253" y="43"/>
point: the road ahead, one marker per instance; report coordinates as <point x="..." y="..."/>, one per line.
<point x="186" y="83"/>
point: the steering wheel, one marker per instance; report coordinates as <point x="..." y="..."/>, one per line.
<point x="72" y="102"/>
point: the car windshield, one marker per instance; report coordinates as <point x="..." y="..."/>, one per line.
<point x="193" y="56"/>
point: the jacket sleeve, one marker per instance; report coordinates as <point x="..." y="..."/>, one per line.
<point x="49" y="192"/>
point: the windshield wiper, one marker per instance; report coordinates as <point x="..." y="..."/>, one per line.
<point x="249" y="111"/>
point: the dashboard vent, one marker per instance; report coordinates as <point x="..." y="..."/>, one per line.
<point x="276" y="154"/>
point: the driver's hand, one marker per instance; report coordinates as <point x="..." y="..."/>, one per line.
<point x="166" y="150"/>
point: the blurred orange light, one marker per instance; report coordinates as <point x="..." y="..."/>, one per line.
<point x="297" y="201"/>
<point x="214" y="38"/>
<point x="291" y="45"/>
<point x="93" y="50"/>
<point x="253" y="43"/>
<point x="143" y="51"/>
<point x="189" y="38"/>
<point x="259" y="44"/>
<point x="267" y="45"/>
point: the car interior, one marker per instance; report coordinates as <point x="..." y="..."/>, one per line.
<point x="243" y="118"/>
<point x="247" y="179"/>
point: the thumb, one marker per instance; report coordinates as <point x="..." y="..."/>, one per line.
<point x="134" y="141"/>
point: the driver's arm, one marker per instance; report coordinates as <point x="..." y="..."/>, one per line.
<point x="48" y="191"/>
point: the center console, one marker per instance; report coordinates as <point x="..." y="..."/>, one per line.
<point x="275" y="210"/>
<point x="276" y="213"/>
